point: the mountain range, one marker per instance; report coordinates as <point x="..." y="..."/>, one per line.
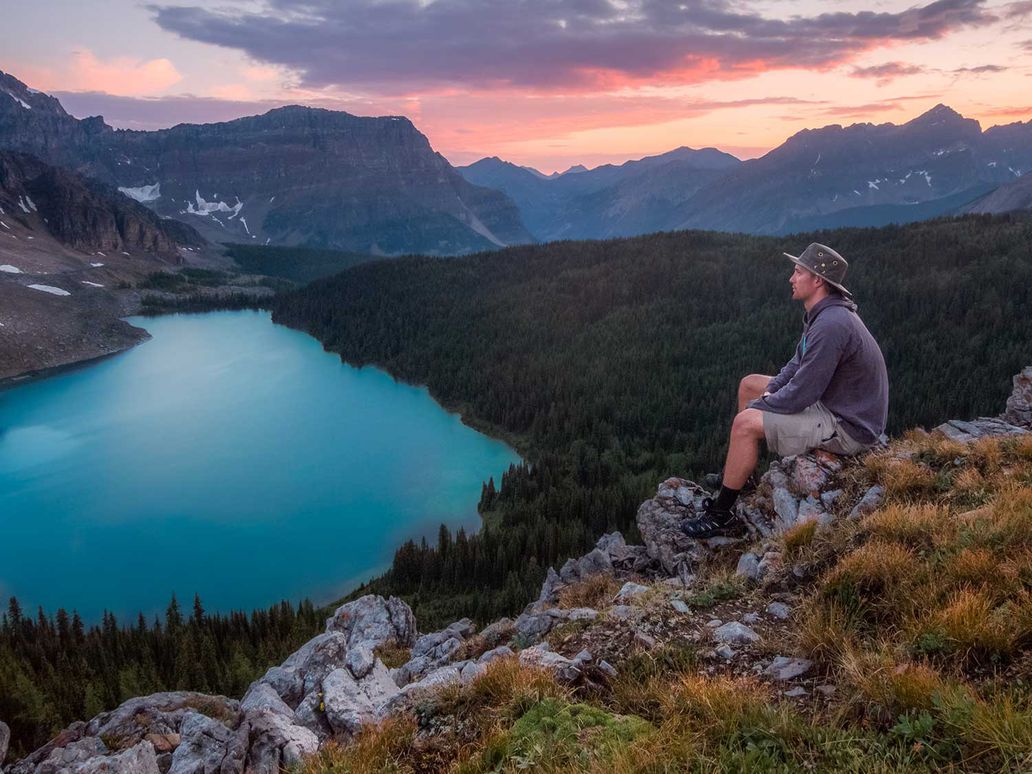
<point x="294" y="175"/>
<point x="861" y="175"/>
<point x="306" y="176"/>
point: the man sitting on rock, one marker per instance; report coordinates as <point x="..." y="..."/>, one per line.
<point x="833" y="394"/>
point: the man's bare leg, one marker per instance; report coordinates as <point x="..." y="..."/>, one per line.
<point x="744" y="449"/>
<point x="750" y="388"/>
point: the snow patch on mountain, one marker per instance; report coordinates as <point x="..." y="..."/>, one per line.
<point x="50" y="289"/>
<point x="143" y="193"/>
<point x="21" y="102"/>
<point x="204" y="207"/>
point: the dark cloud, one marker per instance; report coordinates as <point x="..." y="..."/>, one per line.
<point x="989" y="68"/>
<point x="887" y="71"/>
<point x="1018" y="10"/>
<point x="406" y="45"/>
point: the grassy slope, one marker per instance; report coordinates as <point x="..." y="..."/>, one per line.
<point x="920" y="615"/>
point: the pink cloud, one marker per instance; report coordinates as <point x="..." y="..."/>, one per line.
<point x="123" y="76"/>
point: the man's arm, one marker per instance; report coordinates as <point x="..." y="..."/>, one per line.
<point x="824" y="347"/>
<point x="785" y="374"/>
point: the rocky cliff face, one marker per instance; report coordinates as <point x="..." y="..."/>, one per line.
<point x="337" y="683"/>
<point x="82" y="214"/>
<point x="292" y="176"/>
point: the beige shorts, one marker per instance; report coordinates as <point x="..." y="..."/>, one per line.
<point x="812" y="428"/>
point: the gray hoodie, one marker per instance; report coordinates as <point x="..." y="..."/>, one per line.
<point x="838" y="363"/>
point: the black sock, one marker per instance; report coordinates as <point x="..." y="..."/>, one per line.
<point x="726" y="499"/>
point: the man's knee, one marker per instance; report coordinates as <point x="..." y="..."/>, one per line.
<point x="752" y="386"/>
<point x="749" y="423"/>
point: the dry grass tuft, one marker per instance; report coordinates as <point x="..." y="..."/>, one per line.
<point x="874" y="581"/>
<point x="826" y="631"/>
<point x="799" y="537"/>
<point x="886" y="688"/>
<point x="379" y="749"/>
<point x="913" y="526"/>
<point x="594" y="591"/>
<point x="507" y="689"/>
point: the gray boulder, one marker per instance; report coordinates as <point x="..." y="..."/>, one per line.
<point x="373" y="621"/>
<point x="434" y="650"/>
<point x="499" y="632"/>
<point x="594" y="562"/>
<point x="203" y="746"/>
<point x="140" y="759"/>
<point x="735" y="632"/>
<point x="306" y="667"/>
<point x="779" y="610"/>
<point x="784" y="668"/>
<point x="311" y="714"/>
<point x="659" y="521"/>
<point x="786" y="506"/>
<point x="360" y="661"/>
<point x="531" y="627"/>
<point x="351" y="703"/>
<point x="1019" y="404"/>
<point x="261" y="696"/>
<point x="502" y="651"/>
<point x="542" y="657"/>
<point x="159" y="713"/>
<point x="5" y="739"/>
<point x="629" y="591"/>
<point x="748" y="566"/>
<point x="550" y="588"/>
<point x="869" y="502"/>
<point x="274" y="743"/>
<point x="983" y="427"/>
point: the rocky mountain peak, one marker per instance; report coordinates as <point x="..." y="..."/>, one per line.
<point x="16" y="98"/>
<point x="294" y="175"/>
<point x="941" y="117"/>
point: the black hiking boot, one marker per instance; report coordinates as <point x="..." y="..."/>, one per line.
<point x="713" y="522"/>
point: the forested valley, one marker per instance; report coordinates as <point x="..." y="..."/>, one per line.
<point x="610" y="366"/>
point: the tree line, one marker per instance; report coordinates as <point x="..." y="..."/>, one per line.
<point x="54" y="669"/>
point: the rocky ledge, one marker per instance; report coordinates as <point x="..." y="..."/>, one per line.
<point x="339" y="682"/>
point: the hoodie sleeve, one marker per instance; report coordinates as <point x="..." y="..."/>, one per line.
<point x="786" y="373"/>
<point x="825" y="342"/>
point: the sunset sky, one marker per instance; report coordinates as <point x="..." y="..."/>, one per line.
<point x="549" y="83"/>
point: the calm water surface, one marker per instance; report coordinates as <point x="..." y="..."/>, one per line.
<point x="229" y="457"/>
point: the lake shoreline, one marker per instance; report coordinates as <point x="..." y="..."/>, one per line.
<point x="290" y="437"/>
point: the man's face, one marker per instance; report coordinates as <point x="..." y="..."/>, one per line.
<point x="804" y="284"/>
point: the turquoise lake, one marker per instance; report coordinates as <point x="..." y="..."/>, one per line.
<point x="228" y="457"/>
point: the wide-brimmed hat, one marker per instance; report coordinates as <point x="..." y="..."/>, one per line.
<point x="825" y="263"/>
